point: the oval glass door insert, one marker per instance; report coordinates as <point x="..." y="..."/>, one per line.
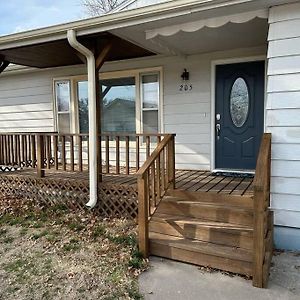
<point x="239" y="102"/>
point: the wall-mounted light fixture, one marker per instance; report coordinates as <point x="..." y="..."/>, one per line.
<point x="185" y="75"/>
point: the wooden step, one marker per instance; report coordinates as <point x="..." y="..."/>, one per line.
<point x="221" y="257"/>
<point x="220" y="199"/>
<point x="203" y="230"/>
<point x="206" y="210"/>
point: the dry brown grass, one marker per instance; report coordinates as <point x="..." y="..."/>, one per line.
<point x="54" y="253"/>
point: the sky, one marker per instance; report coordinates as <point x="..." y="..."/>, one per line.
<point x="21" y="15"/>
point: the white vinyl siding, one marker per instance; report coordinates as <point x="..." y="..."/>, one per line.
<point x="185" y="113"/>
<point x="283" y="114"/>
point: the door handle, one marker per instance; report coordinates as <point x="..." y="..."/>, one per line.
<point x="218" y="129"/>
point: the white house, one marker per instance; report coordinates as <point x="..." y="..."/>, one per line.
<point x="216" y="73"/>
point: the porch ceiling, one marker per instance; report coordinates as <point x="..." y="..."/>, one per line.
<point x="212" y="34"/>
<point x="60" y="53"/>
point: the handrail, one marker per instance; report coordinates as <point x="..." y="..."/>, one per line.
<point x="261" y="204"/>
<point x="154" y="178"/>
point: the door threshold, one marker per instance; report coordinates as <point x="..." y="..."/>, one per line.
<point x="238" y="171"/>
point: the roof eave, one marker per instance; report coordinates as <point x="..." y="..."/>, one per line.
<point x="113" y="21"/>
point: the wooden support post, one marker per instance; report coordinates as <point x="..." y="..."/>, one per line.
<point x="171" y="163"/>
<point x="100" y="59"/>
<point x="40" y="155"/>
<point x="143" y="209"/>
<point x="258" y="239"/>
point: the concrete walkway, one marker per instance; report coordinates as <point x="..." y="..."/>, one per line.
<point x="172" y="280"/>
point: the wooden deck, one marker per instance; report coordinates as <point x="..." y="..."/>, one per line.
<point x="187" y="180"/>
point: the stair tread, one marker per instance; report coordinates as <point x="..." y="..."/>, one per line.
<point x="160" y="217"/>
<point x="245" y="201"/>
<point x="181" y="200"/>
<point x="202" y="247"/>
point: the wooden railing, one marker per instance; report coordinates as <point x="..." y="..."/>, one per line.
<point x="262" y="216"/>
<point x="154" y="178"/>
<point x="120" y="153"/>
<point x="18" y="150"/>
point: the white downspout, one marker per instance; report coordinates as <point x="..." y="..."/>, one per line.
<point x="91" y="69"/>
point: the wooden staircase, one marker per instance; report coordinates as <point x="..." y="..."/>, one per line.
<point x="194" y="227"/>
<point x="223" y="231"/>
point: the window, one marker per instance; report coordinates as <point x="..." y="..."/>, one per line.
<point x="83" y="110"/>
<point x="150" y="102"/>
<point x="119" y="105"/>
<point x="130" y="103"/>
<point x="63" y="97"/>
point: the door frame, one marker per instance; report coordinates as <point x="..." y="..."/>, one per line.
<point x="214" y="64"/>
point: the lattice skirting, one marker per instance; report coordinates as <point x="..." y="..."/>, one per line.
<point x="114" y="200"/>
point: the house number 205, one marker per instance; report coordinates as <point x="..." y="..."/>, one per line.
<point x="185" y="87"/>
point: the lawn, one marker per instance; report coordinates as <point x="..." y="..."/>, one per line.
<point x="55" y="253"/>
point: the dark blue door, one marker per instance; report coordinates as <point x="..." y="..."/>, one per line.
<point x="239" y="114"/>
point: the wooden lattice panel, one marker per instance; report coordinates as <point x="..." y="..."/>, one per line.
<point x="114" y="200"/>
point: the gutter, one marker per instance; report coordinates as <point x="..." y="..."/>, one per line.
<point x="91" y="70"/>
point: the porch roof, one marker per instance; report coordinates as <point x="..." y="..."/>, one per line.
<point x="60" y="53"/>
<point x="48" y="47"/>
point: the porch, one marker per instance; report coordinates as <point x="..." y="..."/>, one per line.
<point x="188" y="215"/>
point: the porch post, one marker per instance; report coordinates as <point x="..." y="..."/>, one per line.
<point x="100" y="58"/>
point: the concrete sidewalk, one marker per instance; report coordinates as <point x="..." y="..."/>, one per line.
<point x="172" y="280"/>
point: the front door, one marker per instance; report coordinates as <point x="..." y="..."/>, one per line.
<point x="239" y="114"/>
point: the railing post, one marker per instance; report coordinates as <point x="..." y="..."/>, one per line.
<point x="258" y="238"/>
<point x="261" y="202"/>
<point x="143" y="211"/>
<point x="171" y="163"/>
<point x="40" y="155"/>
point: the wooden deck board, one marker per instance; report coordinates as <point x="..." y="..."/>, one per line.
<point x="187" y="180"/>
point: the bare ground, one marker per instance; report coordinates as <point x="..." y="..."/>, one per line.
<point x="52" y="253"/>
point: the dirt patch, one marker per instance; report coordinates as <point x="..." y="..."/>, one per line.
<point x="57" y="254"/>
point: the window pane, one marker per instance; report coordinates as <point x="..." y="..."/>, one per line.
<point x="82" y="91"/>
<point x="62" y="95"/>
<point x="118" y="113"/>
<point x="63" y="123"/>
<point x="150" y="91"/>
<point x="150" y="121"/>
<point x="239" y="102"/>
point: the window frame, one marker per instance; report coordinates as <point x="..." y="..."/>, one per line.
<point x="57" y="112"/>
<point x="142" y="109"/>
<point x="136" y="73"/>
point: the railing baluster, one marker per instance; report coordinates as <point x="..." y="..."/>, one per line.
<point x="25" y="150"/>
<point x="33" y="150"/>
<point x="7" y="150"/>
<point x="55" y="151"/>
<point x="107" y="154"/>
<point x="47" y="147"/>
<point x="163" y="177"/>
<point x="127" y="155"/>
<point x="11" y="149"/>
<point x="117" y="154"/>
<point x="137" y="156"/>
<point x="153" y="187"/>
<point x="63" y="152"/>
<point x="72" y="152"/>
<point x="147" y="146"/>
<point x="19" y="150"/>
<point x="80" y="153"/>
<point x="158" y="176"/>
<point x="40" y="155"/>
